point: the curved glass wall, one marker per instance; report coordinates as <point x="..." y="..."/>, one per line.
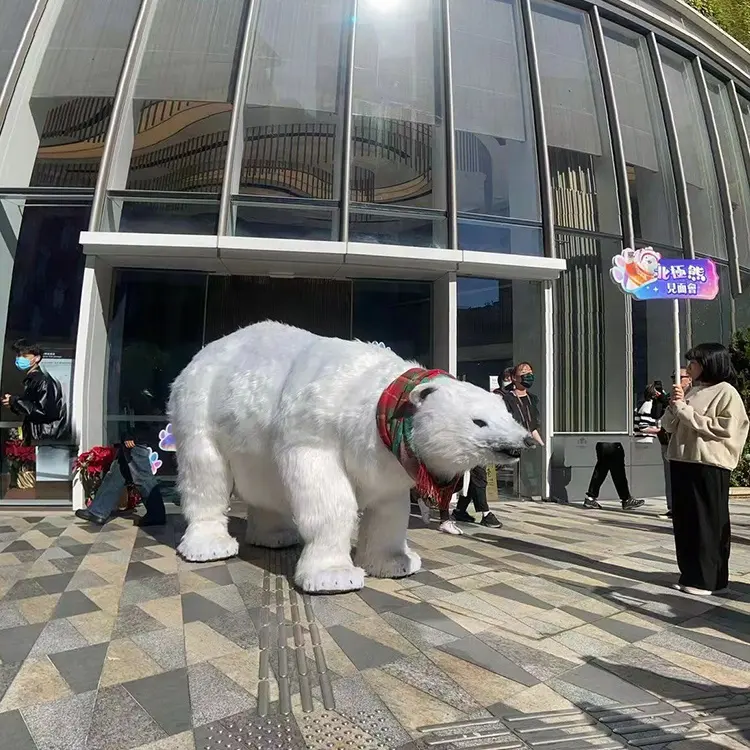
<point x="460" y="124"/>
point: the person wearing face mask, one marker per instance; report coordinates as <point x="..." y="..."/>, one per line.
<point x="42" y="404"/>
<point x="506" y="381"/>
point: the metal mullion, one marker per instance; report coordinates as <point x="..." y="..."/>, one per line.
<point x="235" y="141"/>
<point x="721" y="176"/>
<point x="678" y="170"/>
<point x="744" y="135"/>
<point x="348" y="126"/>
<point x="540" y="131"/>
<point x="122" y="99"/>
<point x="19" y="58"/>
<point x="623" y="189"/>
<point x="450" y="126"/>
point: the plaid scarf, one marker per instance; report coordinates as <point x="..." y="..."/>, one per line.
<point x="394" y="417"/>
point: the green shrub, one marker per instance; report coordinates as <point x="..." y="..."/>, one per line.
<point x="731" y="15"/>
<point x="740" y="352"/>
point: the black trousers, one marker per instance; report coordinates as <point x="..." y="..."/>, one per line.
<point x="700" y="516"/>
<point x="477" y="492"/>
<point x="610" y="458"/>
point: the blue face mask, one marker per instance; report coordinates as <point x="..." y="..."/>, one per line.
<point x="22" y="363"/>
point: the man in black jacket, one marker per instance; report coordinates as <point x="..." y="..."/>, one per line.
<point x="42" y="404"/>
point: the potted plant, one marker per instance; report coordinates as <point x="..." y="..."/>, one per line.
<point x="21" y="464"/>
<point x="90" y="468"/>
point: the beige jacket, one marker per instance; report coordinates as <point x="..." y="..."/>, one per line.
<point x="709" y="427"/>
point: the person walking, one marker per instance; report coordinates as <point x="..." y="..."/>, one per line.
<point x="708" y="428"/>
<point x="610" y="458"/>
<point x="477" y="494"/>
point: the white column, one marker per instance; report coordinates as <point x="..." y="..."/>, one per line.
<point x="91" y="360"/>
<point x="548" y="352"/>
<point x="445" y="323"/>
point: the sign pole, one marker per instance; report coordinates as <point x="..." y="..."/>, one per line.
<point x="677" y="357"/>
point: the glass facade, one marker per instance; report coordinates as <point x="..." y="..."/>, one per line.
<point x="454" y="151"/>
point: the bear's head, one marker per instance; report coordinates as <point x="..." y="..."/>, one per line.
<point x="458" y="426"/>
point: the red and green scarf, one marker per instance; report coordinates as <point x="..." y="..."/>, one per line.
<point x="394" y="418"/>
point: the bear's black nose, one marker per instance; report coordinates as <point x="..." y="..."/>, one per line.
<point x="529" y="441"/>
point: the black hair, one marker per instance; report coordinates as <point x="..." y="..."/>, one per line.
<point x="22" y="346"/>
<point x="519" y="365"/>
<point x="651" y="392"/>
<point x="715" y="362"/>
<point x="508" y="371"/>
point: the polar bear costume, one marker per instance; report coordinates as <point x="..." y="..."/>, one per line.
<point x="286" y="420"/>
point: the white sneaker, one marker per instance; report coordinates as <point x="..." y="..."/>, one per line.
<point x="449" y="527"/>
<point x="424" y="509"/>
<point x="693" y="591"/>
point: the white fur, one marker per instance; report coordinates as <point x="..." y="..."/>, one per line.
<point x="285" y="419"/>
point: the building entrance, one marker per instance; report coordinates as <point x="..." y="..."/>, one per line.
<point x="160" y="319"/>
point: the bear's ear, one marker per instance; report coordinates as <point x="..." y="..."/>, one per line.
<point x="421" y="392"/>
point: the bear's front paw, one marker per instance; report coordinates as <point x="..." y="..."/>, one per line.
<point x="203" y="543"/>
<point x="400" y="566"/>
<point x="330" y="580"/>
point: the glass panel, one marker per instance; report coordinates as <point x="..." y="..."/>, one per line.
<point x="397" y="229"/>
<point x="14" y="16"/>
<point x="742" y="303"/>
<point x="298" y="223"/>
<point x="500" y="324"/>
<point x="398" y="139"/>
<point x="161" y="217"/>
<point x="644" y="137"/>
<point x="653" y="339"/>
<point x="712" y="321"/>
<point x="695" y="151"/>
<point x="583" y="180"/>
<point x="292" y="117"/>
<point x="45" y="297"/>
<point x="74" y="92"/>
<point x="731" y="151"/>
<point x="323" y="306"/>
<point x="395" y="313"/>
<point x="496" y="162"/>
<point x="147" y="432"/>
<point x="151" y="342"/>
<point x="493" y="237"/>
<point x="589" y="331"/>
<point x="182" y="100"/>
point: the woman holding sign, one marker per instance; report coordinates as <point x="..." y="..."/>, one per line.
<point x="708" y="428"/>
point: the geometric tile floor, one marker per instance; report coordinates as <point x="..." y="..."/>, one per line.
<point x="557" y="632"/>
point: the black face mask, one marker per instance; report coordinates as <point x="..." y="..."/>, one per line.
<point x="527" y="380"/>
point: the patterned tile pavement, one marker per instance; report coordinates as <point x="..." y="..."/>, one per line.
<point x="559" y="631"/>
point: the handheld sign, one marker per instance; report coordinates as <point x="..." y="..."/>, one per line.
<point x="644" y="275"/>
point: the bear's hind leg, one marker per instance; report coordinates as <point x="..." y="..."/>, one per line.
<point x="323" y="504"/>
<point x="382" y="549"/>
<point x="205" y="484"/>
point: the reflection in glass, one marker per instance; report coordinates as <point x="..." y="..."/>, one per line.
<point x="182" y="99"/>
<point x="156" y="329"/>
<point x="712" y="320"/>
<point x="695" y="151"/>
<point x="583" y="182"/>
<point x="734" y="164"/>
<point x="644" y="137"/>
<point x="494" y="237"/>
<point x="589" y="330"/>
<point x="500" y="324"/>
<point x="742" y="304"/>
<point x="45" y="298"/>
<point x="293" y="223"/>
<point x="395" y="313"/>
<point x="398" y="138"/>
<point x="14" y="16"/>
<point x="496" y="163"/>
<point x="162" y="217"/>
<point x="292" y="117"/>
<point x="74" y="92"/>
<point x="398" y="229"/>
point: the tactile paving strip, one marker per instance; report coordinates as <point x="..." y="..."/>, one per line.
<point x="282" y="642"/>
<point x="331" y="730"/>
<point x="651" y="726"/>
<point x="249" y="732"/>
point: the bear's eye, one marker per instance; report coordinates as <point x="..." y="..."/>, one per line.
<point x="480" y="422"/>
